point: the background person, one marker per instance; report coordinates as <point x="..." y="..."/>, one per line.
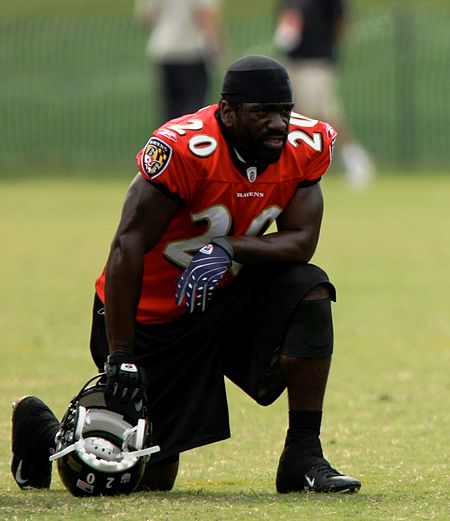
<point x="307" y="36"/>
<point x="185" y="43"/>
<point x="173" y="311"/>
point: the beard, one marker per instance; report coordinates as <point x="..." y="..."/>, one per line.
<point x="264" y="147"/>
<point x="266" y="154"/>
<point x="258" y="150"/>
<point x="261" y="152"/>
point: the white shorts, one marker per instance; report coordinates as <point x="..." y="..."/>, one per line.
<point x="314" y="90"/>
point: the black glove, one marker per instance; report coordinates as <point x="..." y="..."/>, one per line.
<point x="202" y="276"/>
<point x="125" y="380"/>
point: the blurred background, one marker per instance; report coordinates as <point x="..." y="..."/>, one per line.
<point x="77" y="91"/>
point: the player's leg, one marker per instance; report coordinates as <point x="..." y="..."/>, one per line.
<point x="195" y="87"/>
<point x="157" y="476"/>
<point x="185" y="385"/>
<point x="304" y="361"/>
<point x="185" y="88"/>
<point x="316" y="95"/>
<point x="310" y="83"/>
<point x="305" y="356"/>
<point x="160" y="476"/>
<point x="34" y="427"/>
<point x="170" y="90"/>
<point x="285" y="338"/>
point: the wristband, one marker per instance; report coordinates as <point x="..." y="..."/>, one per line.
<point x="225" y="245"/>
<point x="118" y="358"/>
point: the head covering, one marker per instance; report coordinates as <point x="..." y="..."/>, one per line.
<point x="257" y="79"/>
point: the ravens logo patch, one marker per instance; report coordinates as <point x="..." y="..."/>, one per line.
<point x="156" y="157"/>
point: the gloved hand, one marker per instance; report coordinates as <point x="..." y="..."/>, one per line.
<point x="125" y="380"/>
<point x="202" y="276"/>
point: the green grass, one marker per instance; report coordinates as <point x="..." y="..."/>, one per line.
<point x="387" y="409"/>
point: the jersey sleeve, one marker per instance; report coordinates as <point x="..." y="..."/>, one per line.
<point x="314" y="151"/>
<point x="165" y="165"/>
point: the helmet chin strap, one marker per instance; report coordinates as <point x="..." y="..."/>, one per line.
<point x="141" y="452"/>
<point x="78" y="445"/>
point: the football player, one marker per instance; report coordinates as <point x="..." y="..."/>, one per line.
<point x="197" y="287"/>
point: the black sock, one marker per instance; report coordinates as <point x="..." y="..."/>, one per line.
<point x="303" y="435"/>
<point x="304" y="425"/>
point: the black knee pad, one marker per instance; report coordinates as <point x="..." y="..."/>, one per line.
<point x="310" y="331"/>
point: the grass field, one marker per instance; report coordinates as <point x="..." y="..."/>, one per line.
<point x="387" y="415"/>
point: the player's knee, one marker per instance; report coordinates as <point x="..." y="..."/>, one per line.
<point x="310" y="331"/>
<point x="309" y="282"/>
<point x="272" y="385"/>
<point x="320" y="292"/>
<point x="160" y="476"/>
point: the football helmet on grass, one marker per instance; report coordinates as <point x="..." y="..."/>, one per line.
<point x="102" y="447"/>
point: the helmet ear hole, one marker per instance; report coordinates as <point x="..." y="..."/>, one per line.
<point x="81" y="420"/>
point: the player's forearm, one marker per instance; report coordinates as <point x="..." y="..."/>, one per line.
<point x="285" y="247"/>
<point x="122" y="290"/>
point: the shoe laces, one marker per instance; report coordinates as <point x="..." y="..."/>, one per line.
<point x="325" y="469"/>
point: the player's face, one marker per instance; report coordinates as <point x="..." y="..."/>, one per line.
<point x="261" y="130"/>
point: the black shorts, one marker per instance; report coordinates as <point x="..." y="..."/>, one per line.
<point x="186" y="359"/>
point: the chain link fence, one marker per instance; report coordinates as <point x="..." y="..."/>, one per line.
<point x="77" y="91"/>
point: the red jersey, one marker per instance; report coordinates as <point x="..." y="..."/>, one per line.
<point x="190" y="157"/>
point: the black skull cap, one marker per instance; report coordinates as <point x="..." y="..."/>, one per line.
<point x="257" y="79"/>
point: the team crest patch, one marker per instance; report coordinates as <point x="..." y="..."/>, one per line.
<point x="156" y="157"/>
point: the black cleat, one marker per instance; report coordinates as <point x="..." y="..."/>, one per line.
<point x="321" y="477"/>
<point x="33" y="440"/>
<point x="298" y="471"/>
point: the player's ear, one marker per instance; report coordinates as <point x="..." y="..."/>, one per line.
<point x="227" y="113"/>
